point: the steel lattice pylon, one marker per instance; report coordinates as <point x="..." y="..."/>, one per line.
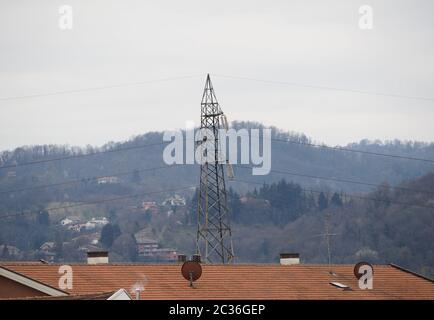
<point x="214" y="237"/>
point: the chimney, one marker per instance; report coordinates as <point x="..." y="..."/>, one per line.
<point x="289" y="258"/>
<point x="196" y="258"/>
<point x="97" y="257"/>
<point x="182" y="258"/>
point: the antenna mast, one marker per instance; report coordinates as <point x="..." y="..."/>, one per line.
<point x="327" y="234"/>
<point x="214" y="236"/>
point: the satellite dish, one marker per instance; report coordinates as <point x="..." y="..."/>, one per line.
<point x="357" y="268"/>
<point x="191" y="271"/>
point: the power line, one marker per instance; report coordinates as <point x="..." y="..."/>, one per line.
<point x="162" y="143"/>
<point x="82" y="155"/>
<point x="310" y="86"/>
<point x="193" y="186"/>
<point x="344" y="149"/>
<point x="353" y="150"/>
<point x="97" y="88"/>
<point x="349" y="196"/>
<point x="96" y="202"/>
<point x="296" y="84"/>
<point x="86" y="179"/>
<point x="338" y="180"/>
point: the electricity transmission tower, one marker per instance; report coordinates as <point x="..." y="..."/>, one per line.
<point x="214" y="237"/>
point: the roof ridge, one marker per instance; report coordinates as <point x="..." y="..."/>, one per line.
<point x="33" y="263"/>
<point x="20" y="274"/>
<point x="411" y="272"/>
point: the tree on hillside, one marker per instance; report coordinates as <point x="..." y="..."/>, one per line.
<point x="58" y="244"/>
<point x="323" y="202"/>
<point x="148" y="216"/>
<point x="287" y="199"/>
<point x="112" y="215"/>
<point x="382" y="195"/>
<point x="234" y="204"/>
<point x="191" y="214"/>
<point x="109" y="233"/>
<point x="43" y="218"/>
<point x="5" y="253"/>
<point x="136" y="177"/>
<point x="126" y="246"/>
<point x="336" y="200"/>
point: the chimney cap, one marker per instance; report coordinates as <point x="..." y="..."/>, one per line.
<point x="182" y="258"/>
<point x="196" y="258"/>
<point x="99" y="253"/>
<point x="289" y="255"/>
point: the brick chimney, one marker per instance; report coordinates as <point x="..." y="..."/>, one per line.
<point x="97" y="257"/>
<point x="289" y="258"/>
<point x="182" y="258"/>
<point x="196" y="258"/>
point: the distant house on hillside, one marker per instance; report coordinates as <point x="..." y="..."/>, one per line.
<point x="107" y="180"/>
<point x="11" y="174"/>
<point x="75" y="227"/>
<point x="47" y="251"/>
<point x="149" y="249"/>
<point x="148" y="205"/>
<point x="89" y="248"/>
<point x="255" y="201"/>
<point x="65" y="222"/>
<point x="146" y="246"/>
<point x="175" y="201"/>
<point x="99" y="221"/>
<point x="89" y="225"/>
<point x="167" y="254"/>
<point x="8" y="251"/>
<point x="47" y="247"/>
<point x="93" y="223"/>
<point x="69" y="220"/>
<point x="92" y="238"/>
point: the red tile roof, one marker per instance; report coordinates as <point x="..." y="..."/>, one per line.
<point x="237" y="281"/>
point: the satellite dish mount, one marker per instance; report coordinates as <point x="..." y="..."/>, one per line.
<point x="191" y="271"/>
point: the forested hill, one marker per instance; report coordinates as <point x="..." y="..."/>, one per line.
<point x="293" y="157"/>
<point x="383" y="226"/>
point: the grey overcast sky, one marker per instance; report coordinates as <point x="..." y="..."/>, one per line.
<point x="316" y="43"/>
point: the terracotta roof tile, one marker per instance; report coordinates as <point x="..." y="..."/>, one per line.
<point x="238" y="281"/>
